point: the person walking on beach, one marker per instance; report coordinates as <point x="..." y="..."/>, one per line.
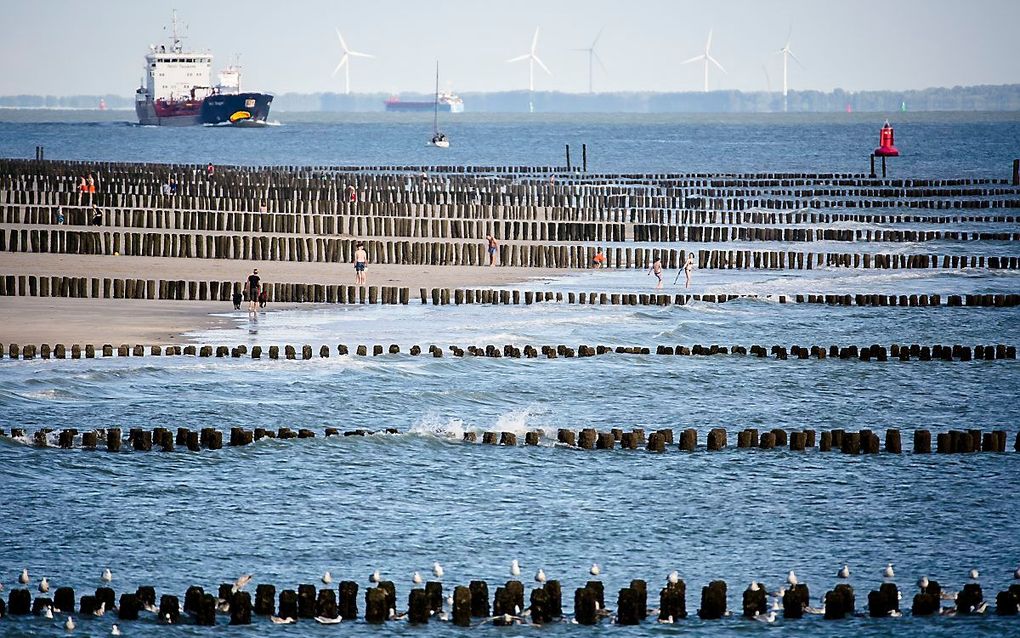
<point x="254" y="285"/>
<point x="656" y="269"/>
<point x="688" y="269"/>
<point x="493" y="248"/>
<point x="600" y="260"/>
<point x="83" y="187"/>
<point x="360" y="261"/>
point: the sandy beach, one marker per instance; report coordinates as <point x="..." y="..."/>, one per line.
<point x="118" y="321"/>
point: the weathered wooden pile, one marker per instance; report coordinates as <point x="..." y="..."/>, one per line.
<point x="472" y="605"/>
<point x="864" y="441"/>
<point x="874" y="352"/>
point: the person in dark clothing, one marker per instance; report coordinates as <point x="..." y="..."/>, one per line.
<point x="263" y="298"/>
<point x="237" y="300"/>
<point x="254" y="287"/>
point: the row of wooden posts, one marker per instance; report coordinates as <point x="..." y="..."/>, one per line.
<point x="183" y="290"/>
<point x="422" y="226"/>
<point x="471" y="604"/>
<point x="875" y="352"/>
<point x="849" y="442"/>
<point x="322" y="223"/>
<point x="235" y="246"/>
<point x="289" y="193"/>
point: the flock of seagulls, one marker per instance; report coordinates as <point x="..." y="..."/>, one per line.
<point x="888" y="573"/>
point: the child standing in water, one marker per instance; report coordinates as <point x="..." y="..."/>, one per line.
<point x="656" y="270"/>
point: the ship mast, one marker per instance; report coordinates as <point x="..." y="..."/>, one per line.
<point x="176" y="46"/>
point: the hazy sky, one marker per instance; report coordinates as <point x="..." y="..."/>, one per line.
<point x="65" y="47"/>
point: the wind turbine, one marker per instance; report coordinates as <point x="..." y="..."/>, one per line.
<point x="345" y="62"/>
<point x="592" y="57"/>
<point x="706" y="57"/>
<point x="532" y="58"/>
<point x="787" y="53"/>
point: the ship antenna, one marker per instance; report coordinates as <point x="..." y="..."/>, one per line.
<point x="176" y="40"/>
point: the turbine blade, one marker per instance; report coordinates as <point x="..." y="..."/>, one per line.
<point x="697" y="58"/>
<point x="343" y="44"/>
<point x="795" y="58"/>
<point x="519" y="58"/>
<point x="541" y="64"/>
<point x="716" y="62"/>
<point x="596" y="40"/>
<point x="356" y="54"/>
<point x="708" y="45"/>
<point x="343" y="61"/>
<point x="534" y="41"/>
<point x="599" y="60"/>
<point x="789" y="34"/>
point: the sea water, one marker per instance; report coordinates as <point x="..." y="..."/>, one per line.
<point x="286" y="511"/>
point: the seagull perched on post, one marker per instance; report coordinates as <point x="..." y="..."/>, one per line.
<point x="23" y="578"/>
<point x="515" y="568"/>
<point x="845" y="572"/>
<point x="44" y="585"/>
<point x="674" y="577"/>
<point x="540" y="576"/>
<point x="107" y="575"/>
<point x="888" y="571"/>
<point x="327" y="578"/>
<point x="595" y="569"/>
<point x="240" y="583"/>
<point x="416" y="578"/>
<point x="791" y="578"/>
<point x="375" y="577"/>
<point x="437" y="570"/>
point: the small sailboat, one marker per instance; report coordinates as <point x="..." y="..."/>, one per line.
<point x="438" y="137"/>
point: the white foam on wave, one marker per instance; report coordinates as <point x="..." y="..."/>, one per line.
<point x="431" y="424"/>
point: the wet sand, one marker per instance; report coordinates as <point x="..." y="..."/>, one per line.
<point x="50" y="320"/>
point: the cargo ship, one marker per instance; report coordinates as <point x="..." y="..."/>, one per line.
<point x="448" y="103"/>
<point x="177" y="90"/>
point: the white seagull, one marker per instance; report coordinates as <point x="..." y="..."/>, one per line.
<point x="276" y="620"/>
<point x="540" y="576"/>
<point x="595" y="569"/>
<point x="48" y="613"/>
<point x="241" y="583"/>
<point x="845" y="572"/>
<point x="69" y="625"/>
<point x="100" y="611"/>
<point x="791" y="578"/>
<point x="107" y="575"/>
<point x="888" y="571"/>
<point x="44" y="585"/>
<point x="327" y="578"/>
<point x="923" y="582"/>
<point x="375" y="577"/>
<point x="322" y="620"/>
<point x="437" y="570"/>
<point x="754" y="585"/>
<point x="674" y="577"/>
<point x="416" y="578"/>
<point x="769" y="617"/>
<point x="115" y="631"/>
<point x="23" y="578"/>
<point x="515" y="568"/>
<point x="974" y="574"/>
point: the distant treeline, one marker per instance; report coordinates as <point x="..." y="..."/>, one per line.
<point x="959" y="98"/>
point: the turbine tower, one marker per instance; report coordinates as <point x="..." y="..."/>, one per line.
<point x="345" y="62"/>
<point x="707" y="58"/>
<point x="787" y="53"/>
<point x="532" y="58"/>
<point x="592" y="58"/>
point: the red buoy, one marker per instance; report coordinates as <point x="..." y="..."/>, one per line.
<point x="886" y="145"/>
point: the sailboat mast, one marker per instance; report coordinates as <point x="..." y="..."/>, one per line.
<point x="435" y="114"/>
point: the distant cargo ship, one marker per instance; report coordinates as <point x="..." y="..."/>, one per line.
<point x="178" y="91"/>
<point x="448" y="103"/>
